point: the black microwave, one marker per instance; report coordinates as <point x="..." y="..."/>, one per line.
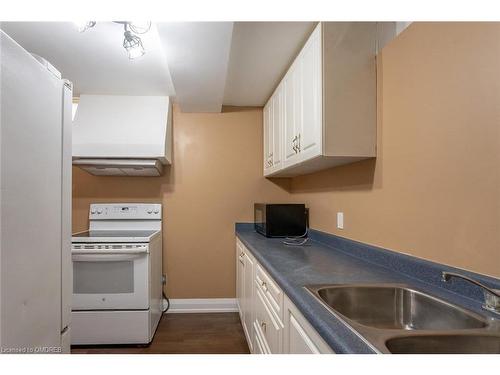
<point x="280" y="220"/>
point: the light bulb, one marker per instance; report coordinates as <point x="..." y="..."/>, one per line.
<point x="136" y="51"/>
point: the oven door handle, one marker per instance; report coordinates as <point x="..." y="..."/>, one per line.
<point x="104" y="257"/>
<point x="137" y="250"/>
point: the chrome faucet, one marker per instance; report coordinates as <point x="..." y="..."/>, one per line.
<point x="491" y="296"/>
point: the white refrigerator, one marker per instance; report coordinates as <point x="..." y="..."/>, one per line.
<point x="35" y="198"/>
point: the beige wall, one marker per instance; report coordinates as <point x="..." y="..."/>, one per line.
<point x="215" y="178"/>
<point x="434" y="189"/>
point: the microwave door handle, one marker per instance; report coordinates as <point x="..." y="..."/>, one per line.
<point x="104" y="257"/>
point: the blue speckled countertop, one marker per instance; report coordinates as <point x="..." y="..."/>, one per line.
<point x="328" y="259"/>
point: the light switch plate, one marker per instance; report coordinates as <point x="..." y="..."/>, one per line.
<point x="340" y="220"/>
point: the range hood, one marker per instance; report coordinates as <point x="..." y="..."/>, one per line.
<point x="123" y="135"/>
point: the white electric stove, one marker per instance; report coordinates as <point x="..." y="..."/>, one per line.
<point x="117" y="275"/>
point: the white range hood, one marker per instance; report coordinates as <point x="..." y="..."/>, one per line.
<point x="123" y="135"/>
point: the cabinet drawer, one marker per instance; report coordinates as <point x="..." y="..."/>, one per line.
<point x="240" y="248"/>
<point x="267" y="325"/>
<point x="270" y="290"/>
<point x="258" y="342"/>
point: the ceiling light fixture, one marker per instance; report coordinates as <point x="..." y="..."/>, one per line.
<point x="131" y="42"/>
<point x="133" y="45"/>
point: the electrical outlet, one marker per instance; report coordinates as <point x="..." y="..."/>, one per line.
<point x="340" y="220"/>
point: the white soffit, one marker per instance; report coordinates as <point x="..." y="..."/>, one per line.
<point x="198" y="56"/>
<point x="261" y="53"/>
<point x="95" y="60"/>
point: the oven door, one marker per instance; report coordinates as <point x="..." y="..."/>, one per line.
<point x="110" y="278"/>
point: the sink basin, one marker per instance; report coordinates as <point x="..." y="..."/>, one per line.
<point x="395" y="307"/>
<point x="395" y="318"/>
<point x="445" y="344"/>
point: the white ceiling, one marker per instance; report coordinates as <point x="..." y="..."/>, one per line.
<point x="261" y="52"/>
<point x="205" y="64"/>
<point x="95" y="60"/>
<point x="198" y="55"/>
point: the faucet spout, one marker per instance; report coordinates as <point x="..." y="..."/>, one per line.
<point x="491" y="296"/>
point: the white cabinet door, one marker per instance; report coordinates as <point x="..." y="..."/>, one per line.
<point x="268" y="137"/>
<point x="299" y="336"/>
<point x="289" y="133"/>
<point x="267" y="325"/>
<point x="293" y="103"/>
<point x="239" y="278"/>
<point x="297" y="98"/>
<point x="248" y="298"/>
<point x="244" y="290"/>
<point x="258" y="342"/>
<point x="310" y="127"/>
<point x="277" y="125"/>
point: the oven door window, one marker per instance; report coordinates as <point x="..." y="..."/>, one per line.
<point x="110" y="281"/>
<point x="103" y="277"/>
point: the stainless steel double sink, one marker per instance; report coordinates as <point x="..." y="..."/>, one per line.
<point x="394" y="318"/>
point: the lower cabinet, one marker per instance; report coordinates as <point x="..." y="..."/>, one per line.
<point x="271" y="322"/>
<point x="258" y="344"/>
<point x="299" y="337"/>
<point x="268" y="327"/>
<point x="244" y="290"/>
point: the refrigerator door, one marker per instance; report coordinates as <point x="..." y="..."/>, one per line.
<point x="66" y="264"/>
<point x="31" y="205"/>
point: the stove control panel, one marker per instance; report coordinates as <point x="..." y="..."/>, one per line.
<point x="124" y="211"/>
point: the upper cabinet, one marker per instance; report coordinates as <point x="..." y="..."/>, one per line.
<point x="273" y="128"/>
<point x="323" y="112"/>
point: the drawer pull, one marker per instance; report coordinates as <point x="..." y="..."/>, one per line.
<point x="263" y="325"/>
<point x="264" y="286"/>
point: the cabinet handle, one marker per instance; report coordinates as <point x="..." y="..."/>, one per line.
<point x="263" y="325"/>
<point x="264" y="286"/>
<point x="296" y="143"/>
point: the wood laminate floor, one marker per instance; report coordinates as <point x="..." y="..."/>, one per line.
<point x="213" y="333"/>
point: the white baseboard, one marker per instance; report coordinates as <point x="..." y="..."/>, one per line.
<point x="202" y="305"/>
